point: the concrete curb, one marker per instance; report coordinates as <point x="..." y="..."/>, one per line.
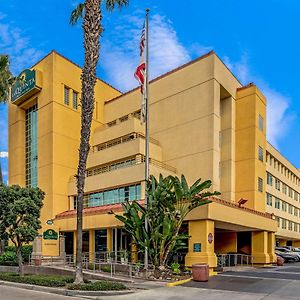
<point x="65" y="292"/>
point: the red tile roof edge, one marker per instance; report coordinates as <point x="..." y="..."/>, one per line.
<point x="93" y="210"/>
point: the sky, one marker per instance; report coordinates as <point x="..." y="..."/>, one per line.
<point x="257" y="40"/>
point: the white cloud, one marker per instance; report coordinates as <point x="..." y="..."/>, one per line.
<point x="120" y="49"/>
<point x="15" y="43"/>
<point x="3" y="154"/>
<point x="279" y="118"/>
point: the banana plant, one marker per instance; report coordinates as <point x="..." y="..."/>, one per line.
<point x="170" y="201"/>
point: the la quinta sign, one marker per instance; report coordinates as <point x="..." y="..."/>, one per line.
<point x="25" y="86"/>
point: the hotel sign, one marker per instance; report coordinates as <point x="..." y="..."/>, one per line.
<point x="50" y="234"/>
<point x="27" y="84"/>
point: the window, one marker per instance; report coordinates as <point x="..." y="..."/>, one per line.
<point x="283" y="206"/>
<point x="269" y="199"/>
<point x="260" y="123"/>
<point x="260" y="184"/>
<point x="277" y="203"/>
<point x="296" y="211"/>
<point x="290" y="209"/>
<point x="296" y="196"/>
<point x="277" y="184"/>
<point x="290" y="192"/>
<point x="260" y="153"/>
<point x="31" y="147"/>
<point x="269" y="179"/>
<point x="278" y="221"/>
<point x="295" y="227"/>
<point x="283" y="223"/>
<point x="113" y="196"/>
<point x="290" y="225"/>
<point x="75" y="100"/>
<point x="66" y="95"/>
<point x="284" y="188"/>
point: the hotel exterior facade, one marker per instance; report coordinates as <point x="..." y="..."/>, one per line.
<point x="203" y="124"/>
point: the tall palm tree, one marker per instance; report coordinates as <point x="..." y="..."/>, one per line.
<point x="91" y="11"/>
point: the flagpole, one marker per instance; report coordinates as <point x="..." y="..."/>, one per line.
<point x="146" y="126"/>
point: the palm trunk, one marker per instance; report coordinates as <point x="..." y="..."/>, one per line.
<point x="92" y="31"/>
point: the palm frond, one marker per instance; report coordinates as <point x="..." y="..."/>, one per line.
<point x="111" y="4"/>
<point x="77" y="13"/>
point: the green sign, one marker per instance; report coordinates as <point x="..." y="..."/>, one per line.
<point x="25" y="83"/>
<point x="50" y="234"/>
<point x="197" y="247"/>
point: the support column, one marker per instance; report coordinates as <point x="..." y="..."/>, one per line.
<point x="91" y="245"/>
<point x="134" y="252"/>
<point x="109" y="239"/>
<point x="37" y="250"/>
<point x="62" y="250"/>
<point x="201" y="244"/>
<point x="271" y="247"/>
<point x="260" y="247"/>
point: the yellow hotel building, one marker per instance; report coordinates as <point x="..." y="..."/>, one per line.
<point x="203" y="123"/>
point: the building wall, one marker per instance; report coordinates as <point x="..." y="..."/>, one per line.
<point x="282" y="171"/>
<point x="58" y="134"/>
<point x="250" y="105"/>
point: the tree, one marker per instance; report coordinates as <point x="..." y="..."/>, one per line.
<point x="6" y="78"/>
<point x="170" y="201"/>
<point x="20" y="210"/>
<point x="91" y="11"/>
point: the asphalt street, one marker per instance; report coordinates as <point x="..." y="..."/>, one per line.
<point x="12" y="293"/>
<point x="261" y="283"/>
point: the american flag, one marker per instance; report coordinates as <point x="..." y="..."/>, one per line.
<point x="140" y="74"/>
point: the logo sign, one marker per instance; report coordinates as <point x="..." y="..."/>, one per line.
<point x="24" y="87"/>
<point x="50" y="234"/>
<point x="210" y="238"/>
<point x="197" y="247"/>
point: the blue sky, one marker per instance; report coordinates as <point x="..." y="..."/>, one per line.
<point x="258" y="40"/>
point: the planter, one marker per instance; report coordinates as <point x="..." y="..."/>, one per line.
<point x="280" y="261"/>
<point x="200" y="272"/>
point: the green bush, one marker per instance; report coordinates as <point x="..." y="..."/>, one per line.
<point x="106" y="269"/>
<point x="98" y="286"/>
<point x="43" y="280"/>
<point x="8" y="258"/>
<point x="26" y="251"/>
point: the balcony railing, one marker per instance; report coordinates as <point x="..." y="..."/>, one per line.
<point x="121" y="140"/>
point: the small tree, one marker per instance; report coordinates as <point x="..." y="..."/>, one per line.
<point x="170" y="201"/>
<point x="20" y="210"/>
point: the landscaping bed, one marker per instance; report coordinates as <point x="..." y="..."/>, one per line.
<point x="62" y="282"/>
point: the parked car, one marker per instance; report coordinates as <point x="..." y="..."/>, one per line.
<point x="286" y="256"/>
<point x="288" y="251"/>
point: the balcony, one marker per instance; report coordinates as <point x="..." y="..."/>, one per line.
<point x="126" y="146"/>
<point x="132" y="173"/>
<point x="118" y="128"/>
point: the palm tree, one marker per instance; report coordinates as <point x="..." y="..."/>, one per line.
<point x="91" y="11"/>
<point x="5" y="78"/>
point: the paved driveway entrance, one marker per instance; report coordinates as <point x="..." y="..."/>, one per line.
<point x="279" y="281"/>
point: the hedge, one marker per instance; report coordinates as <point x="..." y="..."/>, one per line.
<point x="43" y="280"/>
<point x="98" y="286"/>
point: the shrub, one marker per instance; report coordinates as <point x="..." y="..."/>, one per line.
<point x="106" y="269"/>
<point x="43" y="280"/>
<point x="8" y="258"/>
<point x="26" y="251"/>
<point x="175" y="268"/>
<point x="98" y="286"/>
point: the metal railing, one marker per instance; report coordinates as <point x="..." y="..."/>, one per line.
<point x="233" y="260"/>
<point x="112" y="263"/>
